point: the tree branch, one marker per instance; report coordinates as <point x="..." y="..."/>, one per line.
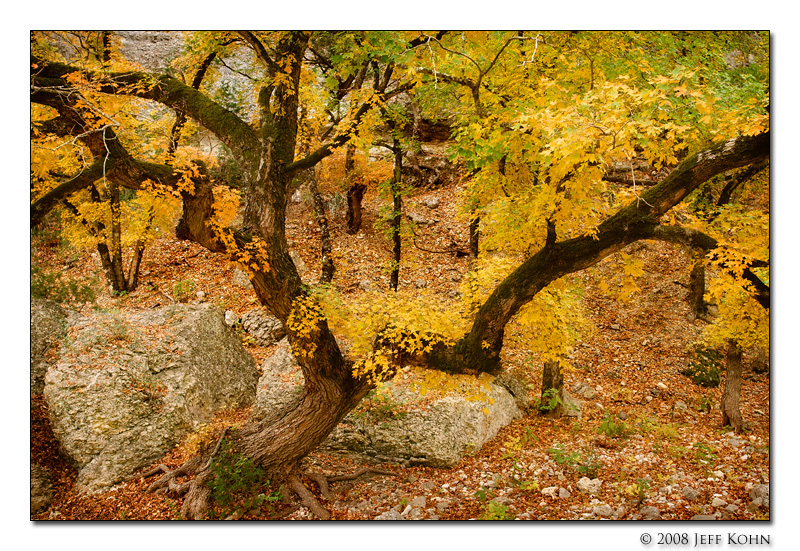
<point x="479" y="350"/>
<point x="261" y="52"/>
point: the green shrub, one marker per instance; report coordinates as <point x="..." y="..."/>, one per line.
<point x="611" y="428"/>
<point x="588" y="464"/>
<point x="496" y="511"/>
<point x="663" y="431"/>
<point x="492" y="510"/>
<point x="182" y="290"/>
<point x="704" y="369"/>
<point x="234" y="475"/>
<point x="53" y="286"/>
<point x="549" y="401"/>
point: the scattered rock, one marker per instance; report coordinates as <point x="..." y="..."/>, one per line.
<point x="133" y="384"/>
<point x="734" y="442"/>
<point x="603" y="511"/>
<point x="572" y="406"/>
<point x="299" y="263"/>
<point x="703" y="517"/>
<point x="231" y="318"/>
<point x="589" y="486"/>
<point x="240" y="279"/>
<point x="431" y="202"/>
<point x="690" y="493"/>
<point x="550" y="491"/>
<point x="419" y="220"/>
<point x="420" y="284"/>
<point x="390" y="515"/>
<point x="365" y="285"/>
<point x="650" y="513"/>
<point x="760" y="491"/>
<point x="760" y="496"/>
<point x="717" y="502"/>
<point x="585" y="390"/>
<point x="563" y="493"/>
<point x="265" y="328"/>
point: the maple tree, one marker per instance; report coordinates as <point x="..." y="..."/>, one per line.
<point x="541" y="122"/>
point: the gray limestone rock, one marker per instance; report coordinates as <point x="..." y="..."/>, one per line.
<point x="438" y="434"/>
<point x="48" y="331"/>
<point x="265" y="328"/>
<point x="131" y="385"/>
<point x="41" y="489"/>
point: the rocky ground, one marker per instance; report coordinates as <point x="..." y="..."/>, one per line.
<point x="646" y="445"/>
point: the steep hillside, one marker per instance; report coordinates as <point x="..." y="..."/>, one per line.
<point x="647" y="434"/>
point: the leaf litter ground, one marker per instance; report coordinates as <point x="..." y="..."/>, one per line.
<point x="660" y="440"/>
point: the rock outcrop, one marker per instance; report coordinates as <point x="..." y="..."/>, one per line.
<point x="48" y="331"/>
<point x="130" y="386"/>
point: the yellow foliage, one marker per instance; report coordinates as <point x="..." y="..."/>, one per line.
<point x="303" y="321"/>
<point x="741" y="317"/>
<point x="368" y="172"/>
<point x="411" y="323"/>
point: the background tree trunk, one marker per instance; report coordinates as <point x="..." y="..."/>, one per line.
<point x="328" y="267"/>
<point x="552" y="380"/>
<point x="355" y="194"/>
<point x="397" y="201"/>
<point x="697" y="286"/>
<point x="731" y="414"/>
<point x="474" y="237"/>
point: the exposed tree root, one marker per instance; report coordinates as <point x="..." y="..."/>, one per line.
<point x="308" y="499"/>
<point x="195" y="505"/>
<point x="322" y="483"/>
<point x="360" y="472"/>
<point x="197" y="493"/>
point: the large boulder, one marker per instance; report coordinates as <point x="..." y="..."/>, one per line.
<point x="48" y="331"/>
<point x="130" y="386"/>
<point x="396" y="423"/>
<point x="41" y="489"/>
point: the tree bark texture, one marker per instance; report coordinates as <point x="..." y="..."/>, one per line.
<point x="552" y="381"/>
<point x="697" y="286"/>
<point x="326" y="248"/>
<point x="731" y="414"/>
<point x="397" y="213"/>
